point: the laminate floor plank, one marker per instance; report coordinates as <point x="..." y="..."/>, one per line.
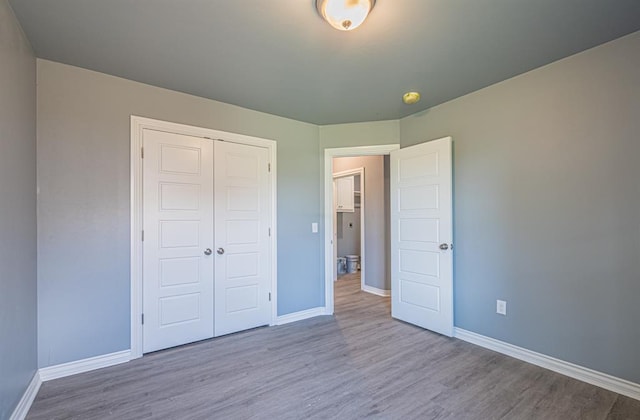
<point x="359" y="363"/>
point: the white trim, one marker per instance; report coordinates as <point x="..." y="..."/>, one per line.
<point x="22" y="409"/>
<point x="593" y="377"/>
<point x="299" y="316"/>
<point x="273" y="179"/>
<point x="376" y="291"/>
<point x="329" y="154"/>
<point x="137" y="125"/>
<point x="84" y="365"/>
<point x="363" y="254"/>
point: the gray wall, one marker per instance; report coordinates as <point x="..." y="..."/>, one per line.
<point x="18" y="337"/>
<point x="547" y="206"/>
<point x="359" y="134"/>
<point x="376" y="205"/>
<point x="83" y="173"/>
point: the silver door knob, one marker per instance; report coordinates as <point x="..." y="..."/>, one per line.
<point x="220" y="251"/>
<point x="207" y="251"/>
<point x="444" y="247"/>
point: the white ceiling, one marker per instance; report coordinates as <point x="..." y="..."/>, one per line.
<point x="279" y="57"/>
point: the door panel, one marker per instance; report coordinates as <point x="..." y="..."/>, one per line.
<point x="421" y="220"/>
<point x="178" y="227"/>
<point x="243" y="211"/>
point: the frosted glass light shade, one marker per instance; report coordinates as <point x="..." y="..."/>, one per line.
<point x="344" y="15"/>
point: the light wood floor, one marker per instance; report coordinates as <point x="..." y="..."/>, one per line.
<point x="360" y="363"/>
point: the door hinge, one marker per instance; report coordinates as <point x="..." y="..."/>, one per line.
<point x="142" y="153"/>
<point x="268" y="167"/>
<point x="269" y="231"/>
<point x="269" y="296"/>
<point x="143" y="236"/>
<point x="142" y="318"/>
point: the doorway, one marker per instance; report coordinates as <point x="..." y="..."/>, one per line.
<point x="349" y="222"/>
<point x="362" y="233"/>
<point x="203" y="234"/>
<point x="331" y="253"/>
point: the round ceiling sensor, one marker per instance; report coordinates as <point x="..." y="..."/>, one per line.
<point x="410" y="98"/>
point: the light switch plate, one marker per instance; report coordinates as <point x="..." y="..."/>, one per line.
<point x="314" y="227"/>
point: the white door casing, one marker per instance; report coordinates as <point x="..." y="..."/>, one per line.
<point x="421" y="236"/>
<point x="178" y="228"/>
<point x="242" y="272"/>
<point x="334" y="239"/>
<point x="329" y="253"/>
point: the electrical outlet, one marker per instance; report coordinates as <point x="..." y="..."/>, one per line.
<point x="501" y="307"/>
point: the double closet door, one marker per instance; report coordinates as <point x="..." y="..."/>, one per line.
<point x="206" y="248"/>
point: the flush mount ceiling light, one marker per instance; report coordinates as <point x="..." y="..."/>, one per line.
<point x="410" y="98"/>
<point x="344" y="15"/>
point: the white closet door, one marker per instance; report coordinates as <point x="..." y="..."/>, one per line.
<point x="421" y="236"/>
<point x="178" y="231"/>
<point x="243" y="255"/>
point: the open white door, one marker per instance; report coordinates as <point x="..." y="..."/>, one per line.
<point x="178" y="231"/>
<point x="421" y="236"/>
<point x="243" y="255"/>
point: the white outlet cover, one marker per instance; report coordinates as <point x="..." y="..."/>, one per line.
<point x="501" y="307"/>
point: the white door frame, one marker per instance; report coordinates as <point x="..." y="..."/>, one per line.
<point x="137" y="125"/>
<point x="329" y="154"/>
<point x="354" y="172"/>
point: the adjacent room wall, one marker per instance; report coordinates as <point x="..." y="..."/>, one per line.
<point x="547" y="206"/>
<point x="376" y="205"/>
<point x="83" y="172"/>
<point x="18" y="359"/>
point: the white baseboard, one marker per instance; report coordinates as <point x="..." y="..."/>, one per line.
<point x="376" y="291"/>
<point x="22" y="409"/>
<point x="84" y="365"/>
<point x="593" y="377"/>
<point x="299" y="316"/>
